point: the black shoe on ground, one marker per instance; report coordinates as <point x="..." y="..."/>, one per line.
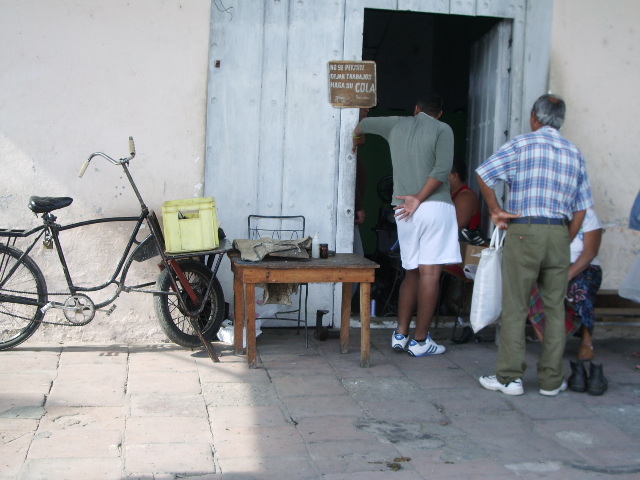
<point x="578" y="378"/>
<point x="597" y="383"/>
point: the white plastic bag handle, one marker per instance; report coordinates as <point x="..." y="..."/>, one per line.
<point x="497" y="239"/>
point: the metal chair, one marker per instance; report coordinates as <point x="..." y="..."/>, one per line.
<point x="283" y="227"/>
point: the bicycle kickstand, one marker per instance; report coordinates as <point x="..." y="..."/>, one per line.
<point x="205" y="342"/>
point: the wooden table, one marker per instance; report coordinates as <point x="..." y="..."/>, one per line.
<point x="345" y="268"/>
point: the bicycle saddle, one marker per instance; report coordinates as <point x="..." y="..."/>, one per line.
<point x="48" y="204"/>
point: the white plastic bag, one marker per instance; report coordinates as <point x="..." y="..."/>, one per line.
<point x="486" y="301"/>
<point x="470" y="271"/>
<point x="630" y="287"/>
<point x="226" y="333"/>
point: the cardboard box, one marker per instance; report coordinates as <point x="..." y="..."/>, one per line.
<point x="470" y="253"/>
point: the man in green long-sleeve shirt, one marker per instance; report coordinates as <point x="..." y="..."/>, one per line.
<point x="422" y="155"/>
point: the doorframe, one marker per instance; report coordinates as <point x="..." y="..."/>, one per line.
<point x="531" y="33"/>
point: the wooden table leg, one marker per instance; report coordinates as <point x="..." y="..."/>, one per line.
<point x="250" y="323"/>
<point x="365" y="327"/>
<point x="345" y="317"/>
<point x="238" y="324"/>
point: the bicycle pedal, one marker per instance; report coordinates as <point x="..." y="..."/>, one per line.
<point x="47" y="307"/>
<point x="111" y="309"/>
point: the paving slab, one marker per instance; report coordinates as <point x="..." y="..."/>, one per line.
<point x="83" y="418"/>
<point x="19" y="382"/>
<point x="149" y="430"/>
<point x="270" y="442"/>
<point x="22" y="404"/>
<point x="95" y="468"/>
<point x="340" y="456"/>
<point x="85" y="443"/>
<point x="89" y="384"/>
<point x="261" y="467"/>
<point x="178" y="459"/>
<point x="150" y="382"/>
<point x="305" y="385"/>
<point x="166" y="405"/>
<point x="16" y="437"/>
<point x="237" y="394"/>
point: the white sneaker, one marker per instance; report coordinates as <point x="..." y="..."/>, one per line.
<point x="428" y="347"/>
<point x="399" y="341"/>
<point x="511" y="388"/>
<point x="556" y="391"/>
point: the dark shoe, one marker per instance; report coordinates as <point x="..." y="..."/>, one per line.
<point x="465" y="336"/>
<point x="578" y="378"/>
<point x="597" y="383"/>
<point x="474" y="237"/>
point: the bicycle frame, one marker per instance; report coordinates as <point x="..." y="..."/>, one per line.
<point x="50" y="230"/>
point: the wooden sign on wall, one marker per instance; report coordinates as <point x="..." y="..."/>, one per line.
<point x="352" y="84"/>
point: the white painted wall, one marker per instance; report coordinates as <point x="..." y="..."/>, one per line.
<point x="81" y="76"/>
<point x="595" y="67"/>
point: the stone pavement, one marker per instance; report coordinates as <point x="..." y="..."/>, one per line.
<point x="96" y="412"/>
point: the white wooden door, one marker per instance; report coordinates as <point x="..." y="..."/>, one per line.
<point x="489" y="89"/>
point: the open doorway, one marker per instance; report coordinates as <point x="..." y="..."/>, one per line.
<point x="467" y="61"/>
<point x="416" y="52"/>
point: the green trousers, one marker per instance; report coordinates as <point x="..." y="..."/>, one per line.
<point x="533" y="254"/>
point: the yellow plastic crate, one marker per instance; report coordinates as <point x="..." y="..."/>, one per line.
<point x="190" y="225"/>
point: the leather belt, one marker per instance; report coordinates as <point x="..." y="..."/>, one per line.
<point x="540" y="221"/>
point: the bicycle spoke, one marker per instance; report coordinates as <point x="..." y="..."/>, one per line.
<point x="18" y="320"/>
<point x="172" y="312"/>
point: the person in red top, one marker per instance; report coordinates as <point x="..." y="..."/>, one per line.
<point x="464" y="199"/>
<point x="467" y="205"/>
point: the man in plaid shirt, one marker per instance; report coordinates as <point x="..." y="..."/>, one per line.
<point x="549" y="193"/>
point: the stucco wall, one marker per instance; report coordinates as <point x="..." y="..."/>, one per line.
<point x="595" y="66"/>
<point x="81" y="76"/>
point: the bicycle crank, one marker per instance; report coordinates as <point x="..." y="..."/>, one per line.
<point x="79" y="309"/>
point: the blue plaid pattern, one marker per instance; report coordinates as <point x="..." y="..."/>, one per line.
<point x="546" y="174"/>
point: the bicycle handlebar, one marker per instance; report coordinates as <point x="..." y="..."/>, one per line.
<point x="132" y="150"/>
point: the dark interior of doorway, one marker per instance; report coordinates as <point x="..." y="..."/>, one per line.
<point x="414" y="53"/>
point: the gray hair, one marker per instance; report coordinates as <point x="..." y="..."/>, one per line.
<point x="549" y="109"/>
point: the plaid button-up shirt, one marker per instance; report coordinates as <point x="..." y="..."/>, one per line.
<point x="546" y="174"/>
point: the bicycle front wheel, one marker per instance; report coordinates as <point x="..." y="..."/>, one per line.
<point x="172" y="317"/>
<point x="23" y="293"/>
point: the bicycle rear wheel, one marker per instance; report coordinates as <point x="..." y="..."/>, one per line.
<point x="18" y="321"/>
<point x="173" y="320"/>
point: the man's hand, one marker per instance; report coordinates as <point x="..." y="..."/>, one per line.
<point x="501" y="218"/>
<point x="358" y="218"/>
<point x="408" y="208"/>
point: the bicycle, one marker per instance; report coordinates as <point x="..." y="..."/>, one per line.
<point x="188" y="298"/>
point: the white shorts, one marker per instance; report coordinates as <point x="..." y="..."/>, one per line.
<point x="430" y="237"/>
